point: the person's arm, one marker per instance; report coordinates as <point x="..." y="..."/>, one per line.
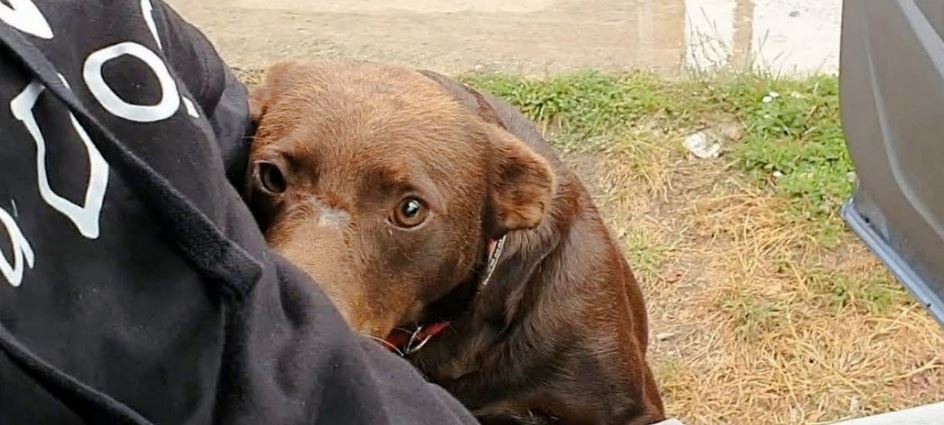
<point x="214" y="87"/>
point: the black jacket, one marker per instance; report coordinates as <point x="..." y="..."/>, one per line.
<point x="135" y="286"/>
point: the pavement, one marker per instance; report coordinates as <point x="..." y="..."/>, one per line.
<point x="534" y="37"/>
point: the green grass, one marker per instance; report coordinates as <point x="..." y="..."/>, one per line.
<point x="792" y="143"/>
<point x="755" y="315"/>
<point x="645" y="254"/>
<point x="671" y="374"/>
<point x="830" y="293"/>
<point x="586" y="104"/>
<point x="876" y="294"/>
<point x="795" y="143"/>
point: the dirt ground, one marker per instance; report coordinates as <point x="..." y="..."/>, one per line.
<point x="533" y="37"/>
<point x="447" y="36"/>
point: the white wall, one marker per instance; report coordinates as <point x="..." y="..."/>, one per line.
<point x="786" y="36"/>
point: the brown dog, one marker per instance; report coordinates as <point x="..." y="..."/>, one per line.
<point x="421" y="205"/>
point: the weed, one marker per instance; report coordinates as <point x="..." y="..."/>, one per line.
<point x="645" y="254"/>
<point x="672" y="376"/>
<point x="755" y="315"/>
<point x="875" y="294"/>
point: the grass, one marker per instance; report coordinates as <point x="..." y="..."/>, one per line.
<point x="645" y="254"/>
<point x="764" y="309"/>
<point x="775" y="313"/>
<point x="795" y="141"/>
<point x="791" y="141"/>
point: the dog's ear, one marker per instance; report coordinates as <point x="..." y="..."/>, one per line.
<point x="277" y="78"/>
<point x="521" y="185"/>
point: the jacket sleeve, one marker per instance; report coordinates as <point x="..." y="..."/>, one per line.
<point x="215" y="89"/>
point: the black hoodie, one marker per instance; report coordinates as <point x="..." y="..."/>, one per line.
<point x="135" y="287"/>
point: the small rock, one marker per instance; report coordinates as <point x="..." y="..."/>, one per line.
<point x="851" y="177"/>
<point x="731" y="132"/>
<point x="700" y="145"/>
<point x="672" y="277"/>
<point x="777" y="174"/>
<point x="795" y="14"/>
<point x="855" y="407"/>
<point x="665" y="336"/>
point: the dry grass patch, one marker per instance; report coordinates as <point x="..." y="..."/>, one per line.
<point x="755" y="321"/>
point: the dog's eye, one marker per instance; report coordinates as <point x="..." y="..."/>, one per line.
<point x="271" y="178"/>
<point x="410" y="213"/>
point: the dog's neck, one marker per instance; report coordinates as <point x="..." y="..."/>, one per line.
<point x="406" y="342"/>
<point x="499" y="304"/>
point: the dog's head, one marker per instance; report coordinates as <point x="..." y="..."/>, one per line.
<point x="383" y="187"/>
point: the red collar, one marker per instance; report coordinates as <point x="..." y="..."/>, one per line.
<point x="404" y="342"/>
